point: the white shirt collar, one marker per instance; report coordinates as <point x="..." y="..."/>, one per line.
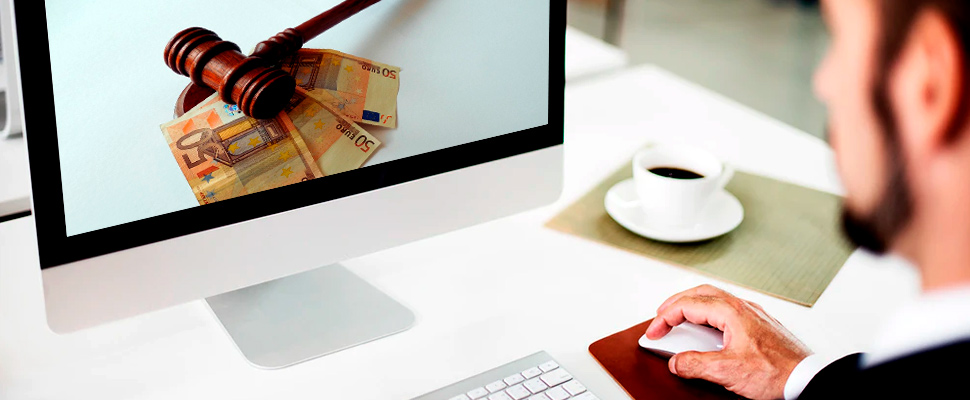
<point x="936" y="318"/>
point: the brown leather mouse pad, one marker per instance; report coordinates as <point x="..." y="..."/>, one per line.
<point x="644" y="375"/>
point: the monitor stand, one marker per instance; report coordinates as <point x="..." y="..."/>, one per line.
<point x="307" y="315"/>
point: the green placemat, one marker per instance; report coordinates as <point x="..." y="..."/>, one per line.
<point x="789" y="244"/>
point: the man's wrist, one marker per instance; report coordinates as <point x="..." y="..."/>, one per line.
<point x="803" y="374"/>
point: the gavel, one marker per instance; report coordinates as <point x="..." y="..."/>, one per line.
<point x="254" y="83"/>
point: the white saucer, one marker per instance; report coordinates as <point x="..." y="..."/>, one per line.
<point x="723" y="215"/>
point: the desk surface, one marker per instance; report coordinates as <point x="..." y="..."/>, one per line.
<point x="477" y="306"/>
<point x="588" y="56"/>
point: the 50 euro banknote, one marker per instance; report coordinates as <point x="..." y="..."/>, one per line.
<point x="336" y="143"/>
<point x="224" y="154"/>
<point x="363" y="90"/>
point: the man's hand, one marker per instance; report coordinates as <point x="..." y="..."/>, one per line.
<point x="758" y="354"/>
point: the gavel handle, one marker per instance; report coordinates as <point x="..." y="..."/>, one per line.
<point x="328" y="19"/>
<point x="290" y="40"/>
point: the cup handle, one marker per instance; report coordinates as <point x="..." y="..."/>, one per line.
<point x="726" y="176"/>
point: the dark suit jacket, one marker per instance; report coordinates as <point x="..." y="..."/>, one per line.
<point x="939" y="373"/>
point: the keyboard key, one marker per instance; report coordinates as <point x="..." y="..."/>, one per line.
<point x="535" y="385"/>
<point x="556" y="377"/>
<point x="499" y="396"/>
<point x="459" y="397"/>
<point x="557" y="393"/>
<point x="495" y="386"/>
<point x="518" y="392"/>
<point x="585" y="396"/>
<point x="532" y="372"/>
<point x="574" y="387"/>
<point x="548" y="366"/>
<point x="540" y="396"/>
<point x="514" y="379"/>
<point x="477" y="393"/>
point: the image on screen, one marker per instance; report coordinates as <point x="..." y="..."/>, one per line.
<point x="399" y="79"/>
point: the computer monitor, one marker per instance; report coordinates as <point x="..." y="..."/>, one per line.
<point x="136" y="210"/>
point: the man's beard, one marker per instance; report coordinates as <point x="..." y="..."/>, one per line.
<point x="876" y="230"/>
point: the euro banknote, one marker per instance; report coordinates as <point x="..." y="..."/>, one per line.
<point x="336" y="143"/>
<point x="225" y="154"/>
<point x="363" y="90"/>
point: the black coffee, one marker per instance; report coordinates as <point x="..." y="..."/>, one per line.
<point x="675" y="173"/>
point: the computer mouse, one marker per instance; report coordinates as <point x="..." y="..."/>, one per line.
<point x="685" y="337"/>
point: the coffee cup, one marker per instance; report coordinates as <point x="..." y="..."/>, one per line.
<point x="675" y="183"/>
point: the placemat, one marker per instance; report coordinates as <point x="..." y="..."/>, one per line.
<point x="789" y="244"/>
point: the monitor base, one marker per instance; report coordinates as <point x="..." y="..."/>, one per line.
<point x="304" y="316"/>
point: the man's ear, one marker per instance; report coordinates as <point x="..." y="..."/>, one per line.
<point x="927" y="85"/>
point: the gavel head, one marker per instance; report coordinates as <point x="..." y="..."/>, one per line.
<point x="260" y="90"/>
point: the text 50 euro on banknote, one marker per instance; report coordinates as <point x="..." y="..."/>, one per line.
<point x="336" y="143"/>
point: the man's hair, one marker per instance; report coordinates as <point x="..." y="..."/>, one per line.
<point x="876" y="230"/>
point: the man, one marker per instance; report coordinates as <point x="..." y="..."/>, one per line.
<point x="897" y="87"/>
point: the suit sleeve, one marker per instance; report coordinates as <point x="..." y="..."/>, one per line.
<point x="834" y="380"/>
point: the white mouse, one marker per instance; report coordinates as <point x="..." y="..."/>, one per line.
<point x="685" y="337"/>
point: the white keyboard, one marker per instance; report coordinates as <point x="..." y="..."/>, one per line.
<point x="536" y="377"/>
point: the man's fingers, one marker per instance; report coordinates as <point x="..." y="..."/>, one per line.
<point x="702" y="290"/>
<point x="708" y="366"/>
<point x="701" y="310"/>
<point x="657" y="329"/>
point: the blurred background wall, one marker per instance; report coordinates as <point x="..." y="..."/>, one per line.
<point x="760" y="53"/>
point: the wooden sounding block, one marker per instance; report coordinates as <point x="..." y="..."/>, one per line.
<point x="253" y="82"/>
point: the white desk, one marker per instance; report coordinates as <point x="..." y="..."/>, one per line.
<point x="468" y="288"/>
<point x="588" y="56"/>
<point x="14" y="186"/>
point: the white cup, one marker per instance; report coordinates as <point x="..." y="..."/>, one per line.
<point x="676" y="202"/>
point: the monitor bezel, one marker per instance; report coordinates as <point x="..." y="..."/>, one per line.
<point x="56" y="248"/>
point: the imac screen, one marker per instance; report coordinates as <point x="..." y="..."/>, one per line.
<point x="399" y="79"/>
